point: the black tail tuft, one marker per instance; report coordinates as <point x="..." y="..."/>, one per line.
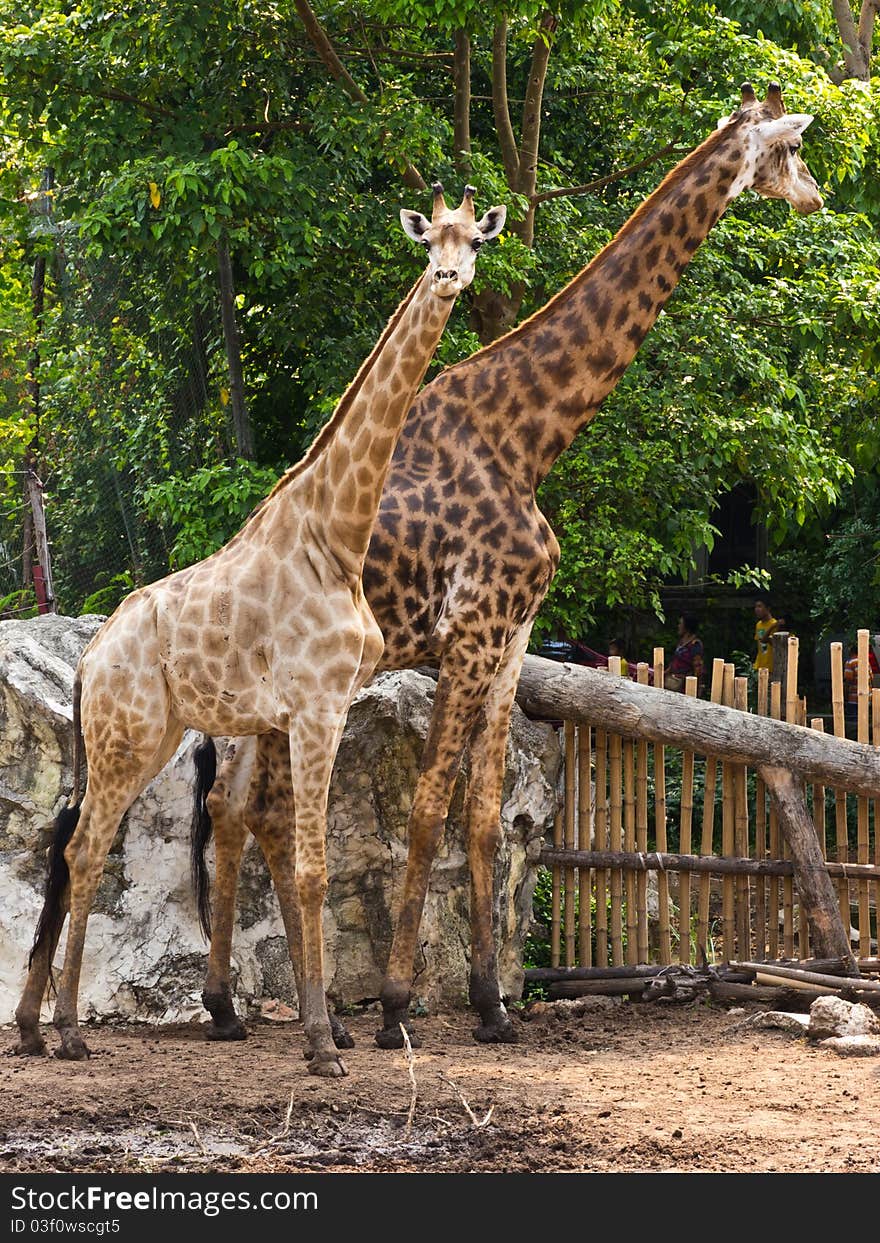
<point x="57" y="878"/>
<point x="205" y="756"/>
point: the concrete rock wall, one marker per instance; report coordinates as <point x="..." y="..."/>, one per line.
<point x="144" y="954"/>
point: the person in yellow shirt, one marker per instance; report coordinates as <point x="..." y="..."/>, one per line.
<point x="765" y="625"/>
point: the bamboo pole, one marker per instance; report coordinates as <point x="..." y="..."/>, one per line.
<point x="875" y="734"/>
<point x="642" y="829"/>
<point x="569" y="823"/>
<point x="863" y="831"/>
<point x="707" y="838"/>
<point x="761" y="828"/>
<point x="741" y="830"/>
<point x="660" y="826"/>
<point x="773" y="938"/>
<point x="684" y="842"/>
<point x="791" y="716"/>
<point x="615" y="764"/>
<point x="629" y="843"/>
<point x="840" y="830"/>
<point x="728" y="828"/>
<point x="601" y="740"/>
<point x="803" y="922"/>
<point x="555" y="905"/>
<point x="585" y="825"/>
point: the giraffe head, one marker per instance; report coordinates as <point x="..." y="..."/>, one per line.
<point x="452" y="239"/>
<point x="773" y="165"/>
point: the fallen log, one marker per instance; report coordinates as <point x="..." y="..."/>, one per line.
<point x="599" y="988"/>
<point x="850" y="983"/>
<point x="543" y="975"/>
<point x="550" y="689"/>
<point x="715" y="865"/>
<point x="814" y="987"/>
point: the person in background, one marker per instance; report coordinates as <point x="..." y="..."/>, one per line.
<point x="851" y="686"/>
<point x="687" y="659"/>
<point x="765" y="625"/>
<point x="784" y="624"/>
<point x="617" y="647"/>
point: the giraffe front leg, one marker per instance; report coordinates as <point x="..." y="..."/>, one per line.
<point x="483" y="814"/>
<point x="460" y="692"/>
<point x="313" y="747"/>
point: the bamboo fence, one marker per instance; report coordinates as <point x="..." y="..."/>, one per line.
<point x="640" y="904"/>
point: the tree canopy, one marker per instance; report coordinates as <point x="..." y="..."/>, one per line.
<point x="145" y="143"/>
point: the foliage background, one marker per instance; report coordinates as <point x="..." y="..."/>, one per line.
<point x="173" y="128"/>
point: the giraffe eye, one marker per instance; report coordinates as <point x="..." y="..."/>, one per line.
<point x="795" y="148"/>
<point x="477" y="243"/>
<point x="426" y="243"/>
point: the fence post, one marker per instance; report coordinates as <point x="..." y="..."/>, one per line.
<point x="779" y="648"/>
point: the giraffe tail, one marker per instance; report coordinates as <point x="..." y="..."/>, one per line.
<point x="57" y="872"/>
<point x="205" y="757"/>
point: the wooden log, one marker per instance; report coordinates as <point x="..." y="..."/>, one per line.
<point x="555" y="690"/>
<point x="815" y="977"/>
<point x="779" y="649"/>
<point x="597" y="988"/>
<point x="803" y="986"/>
<point x="724" y="990"/>
<point x="546" y="975"/>
<point x="817" y="897"/>
<point x="711" y="865"/>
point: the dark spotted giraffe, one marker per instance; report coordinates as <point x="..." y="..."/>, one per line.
<point x="461" y="556"/>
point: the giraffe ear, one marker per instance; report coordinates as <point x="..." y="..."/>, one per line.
<point x="492" y="223"/>
<point x="792" y="123"/>
<point x="414" y="224"/>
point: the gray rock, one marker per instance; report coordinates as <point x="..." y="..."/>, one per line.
<point x="144" y="952"/>
<point x="796" y="1024"/>
<point x="833" y="1016"/>
<point x="853" y="1046"/>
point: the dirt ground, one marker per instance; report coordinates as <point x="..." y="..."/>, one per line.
<point x="639" y="1087"/>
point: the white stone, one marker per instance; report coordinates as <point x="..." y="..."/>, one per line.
<point x="853" y="1046"/>
<point x="145" y="956"/>
<point x="796" y="1024"/>
<point x="833" y="1016"/>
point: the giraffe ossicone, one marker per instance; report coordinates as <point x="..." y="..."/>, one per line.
<point x="461" y="556"/>
<point x="272" y="632"/>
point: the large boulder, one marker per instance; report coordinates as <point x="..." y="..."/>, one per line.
<point x="144" y="954"/>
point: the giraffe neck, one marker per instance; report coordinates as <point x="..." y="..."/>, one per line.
<point x="568" y="357"/>
<point x="349" y="459"/>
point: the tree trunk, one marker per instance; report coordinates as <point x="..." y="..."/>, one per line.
<point x="461" y="75"/>
<point x="240" y="420"/>
<point x="553" y="690"/>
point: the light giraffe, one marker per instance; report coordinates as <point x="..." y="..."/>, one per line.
<point x="462" y="557"/>
<point x="271" y="632"/>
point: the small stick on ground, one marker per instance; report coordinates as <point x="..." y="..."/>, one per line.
<point x="410" y="1065"/>
<point x="475" y="1121"/>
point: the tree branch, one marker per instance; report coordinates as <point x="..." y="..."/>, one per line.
<point x="461" y="74"/>
<point x="531" y="122"/>
<point x="589" y="186"/>
<point x="856" y="56"/>
<point x="500" y="106"/>
<point x="322" y="45"/>
<point x="866" y="30"/>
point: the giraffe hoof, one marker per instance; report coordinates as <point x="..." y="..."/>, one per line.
<point x="234" y="1030"/>
<point x="73" y="1049"/>
<point x="392" y="1038"/>
<point x="30" y="1045"/>
<point x="496" y="1033"/>
<point x="328" y="1066"/>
